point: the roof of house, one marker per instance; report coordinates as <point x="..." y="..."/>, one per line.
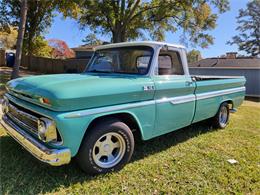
<point x="228" y="63"/>
<point x="84" y="48"/>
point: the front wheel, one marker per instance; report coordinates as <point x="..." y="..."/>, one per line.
<point x="107" y="147"/>
<point x="221" y="119"/>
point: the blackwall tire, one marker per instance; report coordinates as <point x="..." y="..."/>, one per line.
<point x="107" y="147"/>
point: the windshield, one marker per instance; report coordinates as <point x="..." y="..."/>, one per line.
<point x="125" y="60"/>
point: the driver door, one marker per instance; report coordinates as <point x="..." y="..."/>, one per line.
<point x="174" y="95"/>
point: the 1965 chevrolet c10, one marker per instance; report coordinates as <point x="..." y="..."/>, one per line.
<point x="131" y="88"/>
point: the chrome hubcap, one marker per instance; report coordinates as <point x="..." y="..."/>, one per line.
<point x="223" y="116"/>
<point x="109" y="150"/>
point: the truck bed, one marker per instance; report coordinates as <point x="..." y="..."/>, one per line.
<point x="210" y="91"/>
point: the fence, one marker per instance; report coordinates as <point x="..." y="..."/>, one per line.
<point x="252" y="76"/>
<point x="53" y="66"/>
<point x="2" y="57"/>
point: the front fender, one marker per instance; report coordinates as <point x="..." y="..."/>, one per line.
<point x="73" y="128"/>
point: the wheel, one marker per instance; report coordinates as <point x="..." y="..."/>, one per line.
<point x="221" y="119"/>
<point x="107" y="147"/>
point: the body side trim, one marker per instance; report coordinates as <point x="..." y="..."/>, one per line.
<point x="174" y="100"/>
<point x="177" y="100"/>
<point x="206" y="95"/>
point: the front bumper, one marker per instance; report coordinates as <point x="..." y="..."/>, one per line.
<point x="54" y="157"/>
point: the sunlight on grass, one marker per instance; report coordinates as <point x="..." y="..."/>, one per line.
<point x="192" y="160"/>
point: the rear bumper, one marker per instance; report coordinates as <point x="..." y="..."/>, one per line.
<point x="54" y="157"/>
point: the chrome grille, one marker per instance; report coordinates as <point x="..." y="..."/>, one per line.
<point x="23" y="119"/>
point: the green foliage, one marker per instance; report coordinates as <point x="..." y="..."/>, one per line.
<point x="133" y="19"/>
<point x="192" y="160"/>
<point x="4" y="24"/>
<point x="68" y="8"/>
<point x="248" y="21"/>
<point x="8" y="38"/>
<point x="40" y="47"/>
<point x="194" y="56"/>
<point x="39" y="18"/>
<point x="91" y="39"/>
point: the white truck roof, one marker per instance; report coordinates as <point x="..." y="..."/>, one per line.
<point x="138" y="43"/>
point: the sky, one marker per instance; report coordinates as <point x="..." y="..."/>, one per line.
<point x="68" y="30"/>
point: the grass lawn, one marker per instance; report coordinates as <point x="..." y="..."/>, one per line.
<point x="192" y="160"/>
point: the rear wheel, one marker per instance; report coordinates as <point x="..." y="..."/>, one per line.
<point x="108" y="146"/>
<point x="221" y="119"/>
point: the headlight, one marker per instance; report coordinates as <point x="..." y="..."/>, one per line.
<point x="47" y="130"/>
<point x="5" y="104"/>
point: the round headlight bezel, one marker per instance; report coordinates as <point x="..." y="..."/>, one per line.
<point x="47" y="130"/>
<point x="41" y="130"/>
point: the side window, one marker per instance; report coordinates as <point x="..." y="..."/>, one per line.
<point x="169" y="63"/>
<point x="142" y="61"/>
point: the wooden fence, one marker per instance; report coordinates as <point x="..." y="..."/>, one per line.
<point x="53" y="66"/>
<point x="2" y="57"/>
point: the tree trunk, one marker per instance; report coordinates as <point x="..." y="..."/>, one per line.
<point x="118" y="36"/>
<point x="19" y="43"/>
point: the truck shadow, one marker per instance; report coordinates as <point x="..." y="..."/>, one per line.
<point x="20" y="171"/>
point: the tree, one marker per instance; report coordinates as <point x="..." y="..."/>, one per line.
<point x="194" y="56"/>
<point x="4" y="24"/>
<point x="39" y="19"/>
<point x="60" y="49"/>
<point x="132" y="19"/>
<point x="248" y="21"/>
<point x="91" y="39"/>
<point x="41" y="47"/>
<point x="8" y="38"/>
<point x="19" y="43"/>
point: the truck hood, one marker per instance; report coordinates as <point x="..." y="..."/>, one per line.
<point x="68" y="92"/>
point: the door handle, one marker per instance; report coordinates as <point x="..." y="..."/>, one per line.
<point x="188" y="83"/>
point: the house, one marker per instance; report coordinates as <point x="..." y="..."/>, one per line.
<point x="84" y="51"/>
<point x="231" y="65"/>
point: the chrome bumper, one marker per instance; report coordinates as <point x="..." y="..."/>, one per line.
<point x="54" y="157"/>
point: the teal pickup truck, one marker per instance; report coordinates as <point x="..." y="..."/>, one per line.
<point x="127" y="89"/>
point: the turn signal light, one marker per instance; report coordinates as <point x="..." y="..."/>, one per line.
<point x="45" y="101"/>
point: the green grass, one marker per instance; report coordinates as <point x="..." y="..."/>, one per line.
<point x="192" y="160"/>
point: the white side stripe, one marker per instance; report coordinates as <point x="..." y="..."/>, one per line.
<point x="173" y="100"/>
<point x="201" y="96"/>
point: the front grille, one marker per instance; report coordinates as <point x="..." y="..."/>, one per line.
<point x="23" y="119"/>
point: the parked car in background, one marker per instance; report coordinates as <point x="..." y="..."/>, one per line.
<point x="127" y="88"/>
